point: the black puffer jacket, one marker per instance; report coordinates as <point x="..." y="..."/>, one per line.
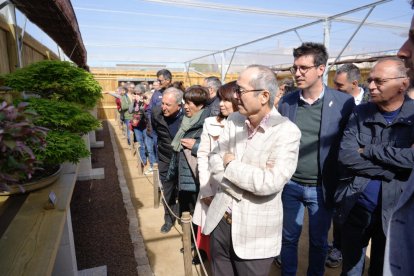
<point x="165" y="138"/>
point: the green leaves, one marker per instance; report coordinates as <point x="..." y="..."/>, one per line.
<point x="57" y="80"/>
<point x="61" y="115"/>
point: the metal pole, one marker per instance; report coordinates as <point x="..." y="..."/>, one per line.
<point x="185" y="222"/>
<point x="326" y="42"/>
<point x="16" y="36"/>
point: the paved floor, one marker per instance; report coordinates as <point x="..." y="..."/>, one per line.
<point x="163" y="250"/>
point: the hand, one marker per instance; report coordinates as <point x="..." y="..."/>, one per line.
<point x="207" y="200"/>
<point x="188" y="143"/>
<point x="228" y="157"/>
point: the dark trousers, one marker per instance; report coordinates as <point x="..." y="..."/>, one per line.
<point x="359" y="227"/>
<point x="336" y="235"/>
<point x="224" y="260"/>
<point x="170" y="193"/>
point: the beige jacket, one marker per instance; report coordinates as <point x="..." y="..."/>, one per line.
<point x="252" y="184"/>
<point x="208" y="185"/>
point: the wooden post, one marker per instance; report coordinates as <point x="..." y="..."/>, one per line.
<point x="156" y="184"/>
<point x="185" y="223"/>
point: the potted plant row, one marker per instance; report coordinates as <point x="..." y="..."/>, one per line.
<point x="56" y="114"/>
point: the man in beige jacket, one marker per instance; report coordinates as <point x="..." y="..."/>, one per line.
<point x="256" y="156"/>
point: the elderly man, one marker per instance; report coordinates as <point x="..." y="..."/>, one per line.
<point x="377" y="158"/>
<point x="256" y="156"/>
<point x="213" y="84"/>
<point x="347" y="80"/>
<point x="166" y="120"/>
<point x="400" y="239"/>
<point x="321" y="114"/>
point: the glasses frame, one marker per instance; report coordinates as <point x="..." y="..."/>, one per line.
<point x="302" y="69"/>
<point x="379" y="81"/>
<point x="239" y="91"/>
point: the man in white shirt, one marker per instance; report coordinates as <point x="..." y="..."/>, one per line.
<point x="347" y="80"/>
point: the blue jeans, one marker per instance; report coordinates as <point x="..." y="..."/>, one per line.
<point x="149" y="143"/>
<point x="139" y="136"/>
<point x="295" y="198"/>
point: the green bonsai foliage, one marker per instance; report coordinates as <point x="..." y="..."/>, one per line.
<point x="18" y="137"/>
<point x="61" y="115"/>
<point x="59" y="80"/>
<point x="62" y="146"/>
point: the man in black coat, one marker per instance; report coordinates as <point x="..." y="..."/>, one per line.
<point x="166" y="120"/>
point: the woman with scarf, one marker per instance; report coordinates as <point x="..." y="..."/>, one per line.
<point x="212" y="129"/>
<point x="185" y="145"/>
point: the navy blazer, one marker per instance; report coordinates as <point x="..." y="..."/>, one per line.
<point x="337" y="106"/>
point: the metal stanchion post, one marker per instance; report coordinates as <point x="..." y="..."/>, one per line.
<point x="185" y="223"/>
<point x="156" y="184"/>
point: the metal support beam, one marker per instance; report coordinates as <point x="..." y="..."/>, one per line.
<point x="326" y="42"/>
<point x="187" y="68"/>
<point x="16" y="36"/>
<point x="319" y="21"/>
<point x="228" y="66"/>
<point x="349" y="40"/>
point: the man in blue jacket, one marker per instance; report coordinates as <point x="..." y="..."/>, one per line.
<point x="377" y="157"/>
<point x="321" y="114"/>
<point x="399" y="249"/>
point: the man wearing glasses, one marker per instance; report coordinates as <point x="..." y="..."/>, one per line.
<point x="377" y="156"/>
<point x="256" y="156"/>
<point x="398" y="258"/>
<point x="321" y="114"/>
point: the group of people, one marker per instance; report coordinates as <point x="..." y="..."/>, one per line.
<point x="246" y="162"/>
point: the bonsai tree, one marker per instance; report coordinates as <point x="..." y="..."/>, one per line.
<point x="66" y="92"/>
<point x="18" y="137"/>
<point x="67" y="123"/>
<point x="58" y="80"/>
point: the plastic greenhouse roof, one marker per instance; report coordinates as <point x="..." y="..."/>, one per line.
<point x="165" y="33"/>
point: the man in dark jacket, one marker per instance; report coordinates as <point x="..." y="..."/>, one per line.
<point x="166" y="120"/>
<point x="213" y="84"/>
<point x="377" y="157"/>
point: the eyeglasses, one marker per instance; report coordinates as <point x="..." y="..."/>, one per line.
<point x="302" y="69"/>
<point x="160" y="81"/>
<point x="240" y="91"/>
<point x="380" y="82"/>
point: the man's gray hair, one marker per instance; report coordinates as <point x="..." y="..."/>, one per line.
<point x="177" y="94"/>
<point x="266" y="80"/>
<point x="352" y="72"/>
<point x="140" y="89"/>
<point x="213" y="82"/>
<point x="399" y="66"/>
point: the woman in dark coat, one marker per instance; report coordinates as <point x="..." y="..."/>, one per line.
<point x="186" y="143"/>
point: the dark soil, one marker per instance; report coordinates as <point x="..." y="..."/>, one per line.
<point x="100" y="225"/>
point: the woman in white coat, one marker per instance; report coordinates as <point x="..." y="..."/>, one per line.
<point x="212" y="128"/>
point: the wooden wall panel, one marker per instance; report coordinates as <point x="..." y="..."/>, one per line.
<point x="4" y="53"/>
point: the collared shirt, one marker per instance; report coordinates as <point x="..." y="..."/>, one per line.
<point x="318" y="99"/>
<point x="358" y="99"/>
<point x="251" y="131"/>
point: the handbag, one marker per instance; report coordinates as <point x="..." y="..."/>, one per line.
<point x="192" y="162"/>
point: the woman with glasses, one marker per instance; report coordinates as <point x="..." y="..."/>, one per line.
<point x="212" y="129"/>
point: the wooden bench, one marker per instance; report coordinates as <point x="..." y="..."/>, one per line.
<point x="39" y="241"/>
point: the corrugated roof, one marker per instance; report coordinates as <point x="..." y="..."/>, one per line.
<point x="57" y="18"/>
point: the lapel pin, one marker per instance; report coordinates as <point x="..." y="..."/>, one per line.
<point x="330" y="103"/>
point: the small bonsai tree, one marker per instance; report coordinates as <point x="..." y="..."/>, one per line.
<point x="58" y="80"/>
<point x="18" y="137"/>
<point x="67" y="122"/>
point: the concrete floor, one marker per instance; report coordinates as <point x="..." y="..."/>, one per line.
<point x="163" y="250"/>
